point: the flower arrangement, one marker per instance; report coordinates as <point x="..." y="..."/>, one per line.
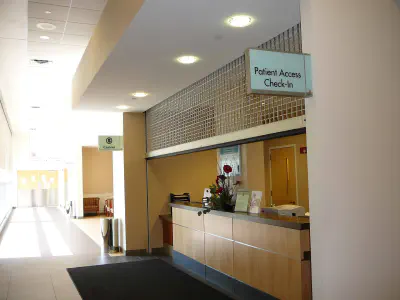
<point x="222" y="190"/>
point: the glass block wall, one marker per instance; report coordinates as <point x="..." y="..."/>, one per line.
<point x="218" y="103"/>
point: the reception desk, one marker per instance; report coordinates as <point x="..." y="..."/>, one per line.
<point x="265" y="252"/>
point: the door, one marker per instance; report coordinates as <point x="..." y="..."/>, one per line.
<point x="283" y="176"/>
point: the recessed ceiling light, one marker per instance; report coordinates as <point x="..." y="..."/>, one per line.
<point x="140" y="94"/>
<point x="239" y="20"/>
<point x="122" y="107"/>
<point x="47" y="12"/>
<point x="46" y="26"/>
<point x="44" y="37"/>
<point x="187" y="59"/>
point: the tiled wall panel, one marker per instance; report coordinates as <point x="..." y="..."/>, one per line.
<point x="219" y="104"/>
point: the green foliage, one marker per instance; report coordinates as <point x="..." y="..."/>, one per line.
<point x="221" y="191"/>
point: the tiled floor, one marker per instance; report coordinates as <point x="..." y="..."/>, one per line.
<point x="37" y="247"/>
<point x="45" y="278"/>
<point x="44" y="232"/>
<point x="90" y="226"/>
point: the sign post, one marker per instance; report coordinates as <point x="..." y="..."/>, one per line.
<point x="278" y="73"/>
<point x="111" y="143"/>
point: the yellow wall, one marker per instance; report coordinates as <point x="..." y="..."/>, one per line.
<point x="188" y="173"/>
<point x="253" y="162"/>
<point x="97" y="171"/>
<point x="301" y="161"/>
<point x="135" y="181"/>
<point x="30" y="179"/>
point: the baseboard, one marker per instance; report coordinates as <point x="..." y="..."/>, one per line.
<point x="138" y="252"/>
<point x="225" y="282"/>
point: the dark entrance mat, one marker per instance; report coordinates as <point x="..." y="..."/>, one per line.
<point x="148" y="279"/>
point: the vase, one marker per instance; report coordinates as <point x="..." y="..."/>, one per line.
<point x="229" y="207"/>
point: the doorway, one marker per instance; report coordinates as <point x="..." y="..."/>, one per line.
<point x="283" y="179"/>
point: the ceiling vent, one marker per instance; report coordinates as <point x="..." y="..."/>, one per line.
<point x="40" y="61"/>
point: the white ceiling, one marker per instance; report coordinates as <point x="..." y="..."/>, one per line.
<point x="75" y="21"/>
<point x="162" y="30"/>
<point x="49" y="85"/>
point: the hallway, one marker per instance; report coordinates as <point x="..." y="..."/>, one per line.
<point x="44" y="232"/>
<point x="36" y="248"/>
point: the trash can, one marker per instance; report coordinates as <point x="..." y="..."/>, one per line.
<point x="105" y="229"/>
<point x="115" y="236"/>
<point x="109" y="232"/>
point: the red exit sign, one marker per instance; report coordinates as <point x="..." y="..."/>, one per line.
<point x="303" y="150"/>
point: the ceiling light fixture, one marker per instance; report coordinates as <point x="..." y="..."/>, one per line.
<point x="46" y="26"/>
<point x="140" y="94"/>
<point x="122" y="107"/>
<point x="47" y="12"/>
<point x="187" y="59"/>
<point x="239" y="20"/>
<point x="44" y="37"/>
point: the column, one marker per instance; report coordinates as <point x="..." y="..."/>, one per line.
<point x="136" y="223"/>
<point x="353" y="127"/>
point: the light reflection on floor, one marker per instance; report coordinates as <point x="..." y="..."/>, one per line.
<point x="22" y="215"/>
<point x="20" y="240"/>
<point x="25" y="231"/>
<point x="43" y="214"/>
<point x="57" y="245"/>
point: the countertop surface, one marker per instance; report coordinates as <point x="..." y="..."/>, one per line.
<point x="299" y="223"/>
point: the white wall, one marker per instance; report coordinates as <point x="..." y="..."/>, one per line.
<point x="119" y="195"/>
<point x="6" y="178"/>
<point x="13" y="57"/>
<point x="61" y="188"/>
<point x="353" y="132"/>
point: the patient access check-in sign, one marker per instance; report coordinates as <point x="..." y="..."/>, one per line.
<point x="278" y="73"/>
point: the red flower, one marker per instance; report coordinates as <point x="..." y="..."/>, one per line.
<point x="227" y="169"/>
<point x="219" y="191"/>
<point x="222" y="177"/>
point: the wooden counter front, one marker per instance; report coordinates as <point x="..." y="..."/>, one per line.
<point x="269" y="258"/>
<point x="284" y="241"/>
<point x="219" y="254"/>
<point x="189" y="242"/>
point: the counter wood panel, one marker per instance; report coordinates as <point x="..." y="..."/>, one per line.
<point x="276" y="239"/>
<point x="187" y="218"/>
<point x="266" y="256"/>
<point x="274" y="274"/>
<point x="189" y="242"/>
<point x="219" y="254"/>
<point x="221" y="226"/>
